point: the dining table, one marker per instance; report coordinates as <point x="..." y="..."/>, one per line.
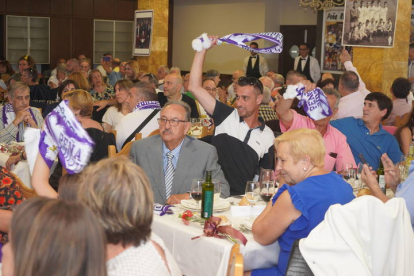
<point x="209" y="256"/>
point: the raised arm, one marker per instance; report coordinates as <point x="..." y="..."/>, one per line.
<point x="196" y="77"/>
<point x="40" y="178"/>
<point x="284" y="113"/>
<point x="345" y="58"/>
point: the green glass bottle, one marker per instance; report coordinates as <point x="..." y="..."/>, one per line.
<point x="381" y="177"/>
<point x="207" y="199"/>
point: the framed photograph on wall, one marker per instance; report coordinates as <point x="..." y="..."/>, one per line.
<point x="143" y="21"/>
<point x="370" y="23"/>
<point x="333" y="21"/>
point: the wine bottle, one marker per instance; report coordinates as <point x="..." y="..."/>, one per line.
<point x="207" y="199"/>
<point x="381" y="177"/>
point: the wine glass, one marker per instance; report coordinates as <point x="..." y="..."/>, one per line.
<point x="197" y="191"/>
<point x="347" y="171"/>
<point x="402" y="168"/>
<point x="267" y="184"/>
<point x="252" y="194"/>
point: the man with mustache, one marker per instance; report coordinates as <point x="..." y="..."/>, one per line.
<point x="243" y="141"/>
<point x="173" y="159"/>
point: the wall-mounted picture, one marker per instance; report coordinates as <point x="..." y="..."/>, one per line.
<point x="332" y="41"/>
<point x="143" y="32"/>
<point x="370" y="23"/>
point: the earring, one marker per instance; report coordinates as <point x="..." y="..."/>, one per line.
<point x="304" y="169"/>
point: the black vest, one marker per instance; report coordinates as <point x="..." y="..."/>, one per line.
<point x="255" y="71"/>
<point x="306" y="70"/>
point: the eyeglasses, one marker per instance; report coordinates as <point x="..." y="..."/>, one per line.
<point x="243" y="81"/>
<point x="211" y="89"/>
<point x="173" y="122"/>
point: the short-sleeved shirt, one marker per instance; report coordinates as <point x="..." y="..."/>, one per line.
<point x="372" y="146"/>
<point x="337" y="151"/>
<point x="241" y="150"/>
<point x="312" y="197"/>
<point x="406" y="190"/>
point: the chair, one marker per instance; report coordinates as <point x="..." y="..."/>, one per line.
<point x="206" y="131"/>
<point x="125" y="150"/>
<point x="402" y="120"/>
<point x="155" y="132"/>
<point x="235" y="267"/>
<point x="297" y="265"/>
<point x="26" y="191"/>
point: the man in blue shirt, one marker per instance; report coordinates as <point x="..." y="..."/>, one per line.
<point x="392" y="178"/>
<point x="366" y="135"/>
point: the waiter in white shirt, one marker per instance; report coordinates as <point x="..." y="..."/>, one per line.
<point x="306" y="64"/>
<point x="255" y="65"/>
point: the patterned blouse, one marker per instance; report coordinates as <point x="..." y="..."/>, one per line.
<point x="108" y="94"/>
<point x="9" y="194"/>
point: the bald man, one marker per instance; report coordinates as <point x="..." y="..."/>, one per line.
<point x="235" y="78"/>
<point x="172" y="91"/>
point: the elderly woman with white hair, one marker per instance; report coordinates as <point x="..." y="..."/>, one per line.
<point x="301" y="203"/>
<point x="265" y="109"/>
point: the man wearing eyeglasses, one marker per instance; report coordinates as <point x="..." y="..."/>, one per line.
<point x="172" y="159"/>
<point x="306" y="64"/>
<point x="243" y="142"/>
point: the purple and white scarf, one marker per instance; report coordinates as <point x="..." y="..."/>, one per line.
<point x="9" y="115"/>
<point x="239" y="40"/>
<point x="314" y="102"/>
<point x="147" y="105"/>
<point x="63" y="135"/>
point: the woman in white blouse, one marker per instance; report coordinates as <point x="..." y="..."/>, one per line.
<point x="115" y="113"/>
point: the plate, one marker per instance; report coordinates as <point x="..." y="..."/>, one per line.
<point x="248" y="225"/>
<point x="219" y="205"/>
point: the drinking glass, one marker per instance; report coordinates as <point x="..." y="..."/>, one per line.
<point x="197" y="191"/>
<point x="267" y="184"/>
<point x="252" y="194"/>
<point x="347" y="171"/>
<point x="217" y="189"/>
<point x="196" y="127"/>
<point x="402" y="168"/>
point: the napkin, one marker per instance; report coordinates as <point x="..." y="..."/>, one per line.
<point x="244" y="211"/>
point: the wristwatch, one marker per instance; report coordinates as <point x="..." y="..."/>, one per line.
<point x="22" y="156"/>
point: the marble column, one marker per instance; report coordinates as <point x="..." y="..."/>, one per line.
<point x="159" y="47"/>
<point x="379" y="67"/>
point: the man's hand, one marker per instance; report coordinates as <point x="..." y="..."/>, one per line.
<point x="345" y="56"/>
<point x="21" y="116"/>
<point x="29" y="119"/>
<point x="101" y="104"/>
<point x="176" y="199"/>
<point x="13" y="159"/>
<point x="309" y="86"/>
<point x="391" y="172"/>
<point x="369" y="178"/>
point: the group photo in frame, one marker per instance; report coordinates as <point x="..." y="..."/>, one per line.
<point x="144" y="21"/>
<point x="369" y="23"/>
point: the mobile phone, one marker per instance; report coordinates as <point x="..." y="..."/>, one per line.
<point x="361" y="156"/>
<point x="106" y="58"/>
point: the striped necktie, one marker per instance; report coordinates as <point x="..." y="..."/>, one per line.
<point x="169" y="175"/>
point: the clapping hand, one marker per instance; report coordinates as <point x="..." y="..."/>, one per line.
<point x="391" y="172"/>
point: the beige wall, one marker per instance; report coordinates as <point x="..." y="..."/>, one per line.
<point x="222" y="17"/>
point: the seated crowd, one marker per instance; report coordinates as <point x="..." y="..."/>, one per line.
<point x="100" y="218"/>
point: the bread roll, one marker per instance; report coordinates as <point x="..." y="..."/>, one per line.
<point x="244" y="202"/>
<point x="364" y="191"/>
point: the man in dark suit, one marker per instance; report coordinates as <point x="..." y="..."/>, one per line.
<point x="172" y="159"/>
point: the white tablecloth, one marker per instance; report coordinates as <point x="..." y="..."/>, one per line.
<point x="209" y="256"/>
<point x="21" y="169"/>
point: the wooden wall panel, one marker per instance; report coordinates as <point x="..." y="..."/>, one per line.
<point x="104" y="8"/>
<point x="40" y="7"/>
<point x="61" y="7"/>
<point x="60" y="44"/>
<point x="2" y="6"/>
<point x="17" y="6"/>
<point x="83" y="8"/>
<point x="82" y="36"/>
<point x="125" y="9"/>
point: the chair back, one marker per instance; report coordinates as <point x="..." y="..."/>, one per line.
<point x="155" y="132"/>
<point x="402" y="120"/>
<point x="125" y="150"/>
<point x="235" y="267"/>
<point x="297" y="265"/>
<point x="26" y="191"/>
